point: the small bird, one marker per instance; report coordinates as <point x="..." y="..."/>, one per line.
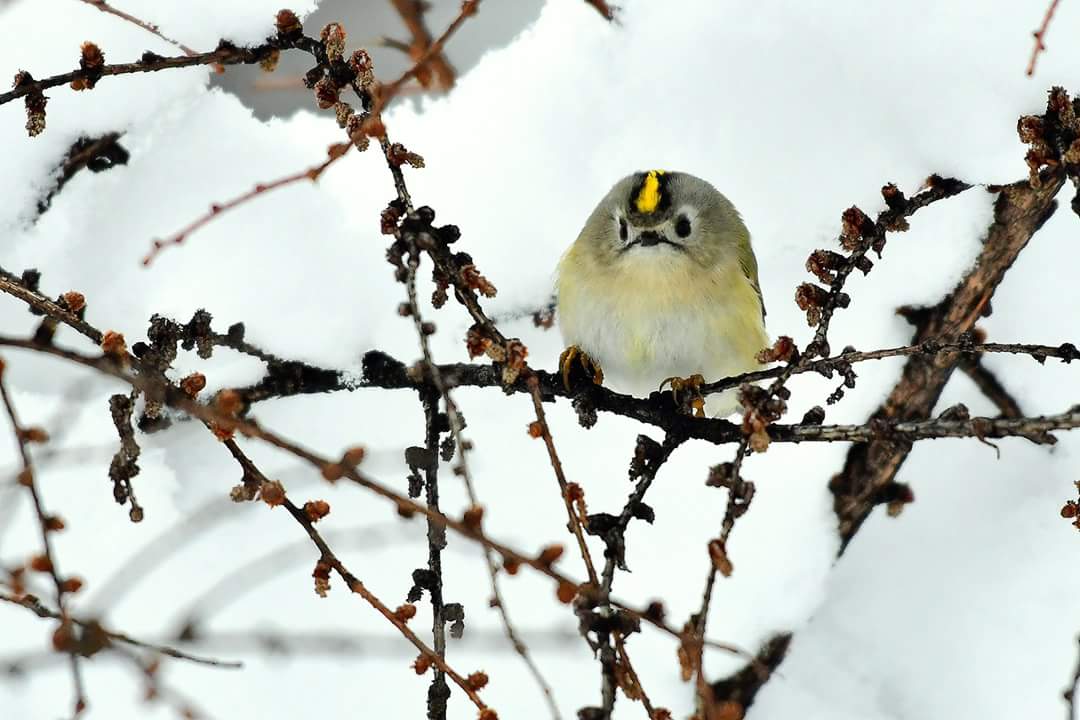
<point x="661" y="287"/>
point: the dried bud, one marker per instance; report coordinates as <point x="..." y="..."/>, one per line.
<point x="192" y="384"/>
<point x="783" y="350"/>
<point x="361" y="64"/>
<point x="343" y="112"/>
<point x="574" y="492"/>
<point x="91" y="61"/>
<point x="477" y="680"/>
<point x="1069" y="510"/>
<point x="316" y="510"/>
<point x="811" y="299"/>
<point x="486" y="713"/>
<point x="405" y="613"/>
<point x="893" y="197"/>
<point x="54" y="523"/>
<point x="74" y="301"/>
<point x="41" y="564"/>
<point x="353" y="456"/>
<point x="566" y="592"/>
<point x="473" y="517"/>
<point x="399" y="155"/>
<point x="287" y="23"/>
<point x="823" y="264"/>
<point x="333" y="37"/>
<point x="511" y="565"/>
<point x="475" y="281"/>
<point x="113" y="345"/>
<point x="550" y="554"/>
<point x="72" y="585"/>
<point x="228" y="402"/>
<point x="720" y="560"/>
<point x="321" y="573"/>
<point x="326" y="93"/>
<point x="272" y="492"/>
<point x="421" y="664"/>
<point x="854" y="224"/>
<point x="477" y="342"/>
<point x="35" y="435"/>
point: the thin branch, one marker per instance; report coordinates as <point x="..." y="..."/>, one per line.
<point x="1070" y="693"/>
<point x="334" y="153"/>
<point x="32" y="604"/>
<point x="436" y="71"/>
<point x="23" y="437"/>
<point x="574" y="521"/>
<point x="224" y="55"/>
<point x="149" y="27"/>
<point x="1040" y="37"/>
<point x="433" y="51"/>
<point x="354" y="584"/>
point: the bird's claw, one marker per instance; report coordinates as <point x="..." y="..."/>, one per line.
<point x="590" y="366"/>
<point x="691" y="384"/>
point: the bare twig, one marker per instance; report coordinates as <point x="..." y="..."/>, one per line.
<point x="149" y="27"/>
<point x="34" y="605"/>
<point x="1040" y="36"/>
<point x="23" y="437"/>
<point x="436" y="71"/>
<point x="354" y="584"/>
<point x="430" y="53"/>
<point x="334" y="153"/>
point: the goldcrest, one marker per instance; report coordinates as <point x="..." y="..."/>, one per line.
<point x="662" y="286"/>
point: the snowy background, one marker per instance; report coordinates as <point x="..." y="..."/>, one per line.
<point x="963" y="607"/>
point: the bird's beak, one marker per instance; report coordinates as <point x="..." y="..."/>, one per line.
<point x="650" y="237"/>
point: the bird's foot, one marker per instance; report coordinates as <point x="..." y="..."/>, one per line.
<point x="690" y="384"/>
<point x="590" y="366"/>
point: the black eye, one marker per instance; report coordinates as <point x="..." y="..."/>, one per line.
<point x="622" y="229"/>
<point x="682" y="226"/>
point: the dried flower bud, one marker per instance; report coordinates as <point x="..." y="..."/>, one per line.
<point x="114" y="345"/>
<point x="326" y="93"/>
<point x="811" y="299"/>
<point x="54" y="523"/>
<point x="823" y="264"/>
<point x="343" y="111"/>
<point x="477" y="680"/>
<point x="475" y="281"/>
<point x="854" y="224"/>
<point x="353" y="456"/>
<point x="720" y="560"/>
<point x="35" y="435"/>
<point x="91" y="61"/>
<point x="333" y="37"/>
<point x="321" y="573"/>
<point x="566" y="592"/>
<point x="361" y="64"/>
<point x="487" y="713"/>
<point x="550" y="554"/>
<point x="41" y="564"/>
<point x="477" y="342"/>
<point x="272" y="492"/>
<point x="193" y="383"/>
<point x="405" y="613"/>
<point x="1069" y="510"/>
<point x="473" y="517"/>
<point x="316" y="510"/>
<point x="228" y="402"/>
<point x="399" y="155"/>
<point x="421" y="664"/>
<point x="74" y="301"/>
<point x="72" y="585"/>
<point x="783" y="350"/>
<point x="287" y="23"/>
<point x="511" y="565"/>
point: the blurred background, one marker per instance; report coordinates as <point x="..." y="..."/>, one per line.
<point x="386" y="29"/>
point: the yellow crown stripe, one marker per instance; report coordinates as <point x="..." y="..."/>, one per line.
<point x="649" y="196"/>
